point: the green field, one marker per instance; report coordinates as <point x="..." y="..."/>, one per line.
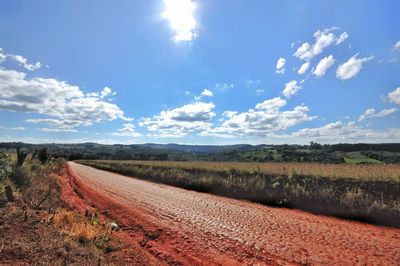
<point x="358" y="158"/>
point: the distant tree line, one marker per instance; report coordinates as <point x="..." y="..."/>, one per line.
<point x="314" y="152"/>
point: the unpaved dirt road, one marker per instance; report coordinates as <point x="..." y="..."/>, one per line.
<point x="199" y="228"/>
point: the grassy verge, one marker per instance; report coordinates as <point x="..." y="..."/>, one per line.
<point x="39" y="228"/>
<point x="364" y="192"/>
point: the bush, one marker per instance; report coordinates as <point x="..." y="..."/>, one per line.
<point x="5" y="167"/>
<point x="43" y="155"/>
<point x="20" y="177"/>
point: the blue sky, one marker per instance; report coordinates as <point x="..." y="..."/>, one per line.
<point x="199" y="72"/>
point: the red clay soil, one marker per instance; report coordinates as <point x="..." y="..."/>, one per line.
<point x="179" y="226"/>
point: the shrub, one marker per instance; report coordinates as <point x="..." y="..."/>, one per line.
<point x="19" y="176"/>
<point x="5" y="170"/>
<point x="43" y="155"/>
<point x="5" y="167"/>
<point x="21" y="156"/>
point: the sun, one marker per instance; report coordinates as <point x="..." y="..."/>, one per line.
<point x="179" y="14"/>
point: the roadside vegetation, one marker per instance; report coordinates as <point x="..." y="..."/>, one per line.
<point x="37" y="227"/>
<point x="369" y="193"/>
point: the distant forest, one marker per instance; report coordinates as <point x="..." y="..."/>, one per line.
<point x="361" y="153"/>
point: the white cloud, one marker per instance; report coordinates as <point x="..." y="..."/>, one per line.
<point x="280" y="65"/>
<point x="179" y="14"/>
<point x="3" y="56"/>
<point x="127" y="130"/>
<point x="394" y="96"/>
<point x="251" y="83"/>
<point x="259" y="92"/>
<point x="323" y="39"/>
<point x="304" y="67"/>
<point x="323" y="66"/>
<point x="266" y="118"/>
<point x="341" y="38"/>
<point x="65" y="105"/>
<point x="396" y="46"/>
<point x="223" y="86"/>
<point x="371" y="113"/>
<point x="106" y="92"/>
<point x="181" y="121"/>
<point x="207" y="93"/>
<point x="218" y="132"/>
<point x="22" y="61"/>
<point x="271" y="104"/>
<point x="92" y="94"/>
<point x="344" y="132"/>
<point x="60" y="140"/>
<point x="351" y="67"/>
<point x="57" y="130"/>
<point x="12" y="128"/>
<point x="229" y="114"/>
<point x="291" y="88"/>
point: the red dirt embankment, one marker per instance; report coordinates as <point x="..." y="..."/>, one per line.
<point x="185" y="227"/>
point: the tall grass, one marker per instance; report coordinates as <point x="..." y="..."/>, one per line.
<point x="390" y="172"/>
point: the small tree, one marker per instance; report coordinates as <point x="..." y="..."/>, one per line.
<point x="21" y="156"/>
<point x="43" y="155"/>
<point x="5" y="167"/>
<point x="5" y="172"/>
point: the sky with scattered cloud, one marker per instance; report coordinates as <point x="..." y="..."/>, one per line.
<point x="199" y="72"/>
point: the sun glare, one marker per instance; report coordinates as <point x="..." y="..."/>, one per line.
<point x="179" y="14"/>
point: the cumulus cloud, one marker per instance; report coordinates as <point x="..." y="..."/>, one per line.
<point x="22" y="61"/>
<point x="127" y="130"/>
<point x="323" y="66"/>
<point x="3" y="56"/>
<point x="106" y="92"/>
<point x="182" y="120"/>
<point x="371" y="113"/>
<point x="179" y="15"/>
<point x="291" y="88"/>
<point x="280" y="65"/>
<point x="345" y="132"/>
<point x="323" y="39"/>
<point x="303" y="69"/>
<point x="205" y="93"/>
<point x="65" y="105"/>
<point x="229" y="114"/>
<point x="266" y="118"/>
<point x="396" y="46"/>
<point x="394" y="96"/>
<point x="351" y="67"/>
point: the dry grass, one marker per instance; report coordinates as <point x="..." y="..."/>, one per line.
<point x="79" y="228"/>
<point x="368" y="172"/>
